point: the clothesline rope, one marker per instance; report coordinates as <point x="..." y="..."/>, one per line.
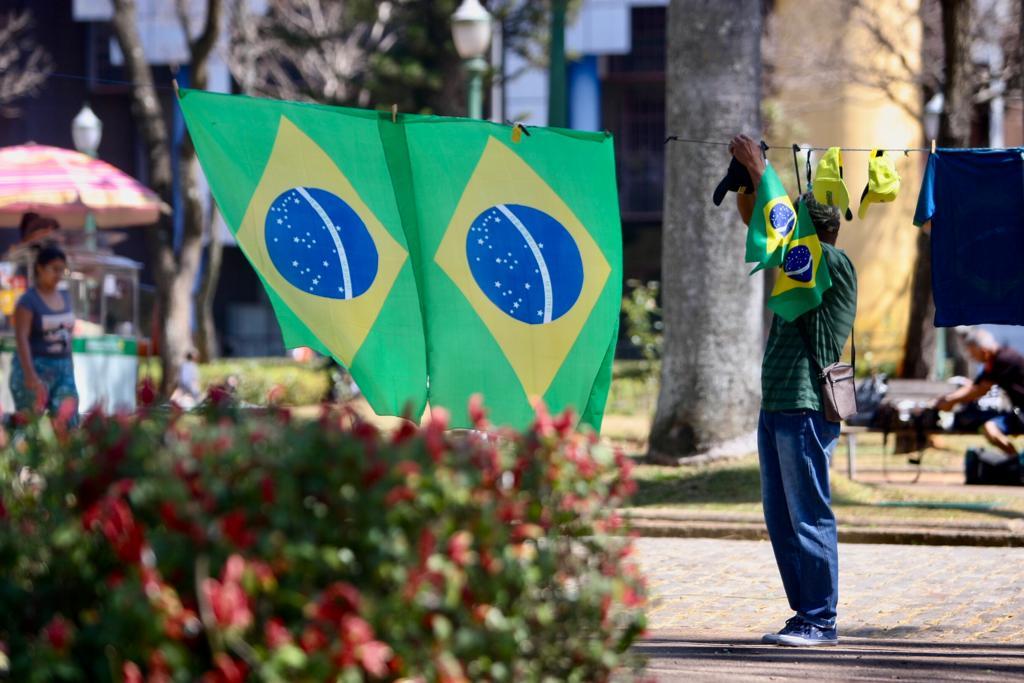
<point x="805" y="148"/>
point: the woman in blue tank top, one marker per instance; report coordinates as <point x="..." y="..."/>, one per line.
<point x="42" y="375"/>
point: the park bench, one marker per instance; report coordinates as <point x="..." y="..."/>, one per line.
<point x="905" y="413"/>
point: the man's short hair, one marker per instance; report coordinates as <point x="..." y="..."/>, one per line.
<point x="823" y="216"/>
<point x="977" y="337"/>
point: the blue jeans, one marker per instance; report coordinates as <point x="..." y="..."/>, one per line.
<point x="795" y="448"/>
<point x="57" y="375"/>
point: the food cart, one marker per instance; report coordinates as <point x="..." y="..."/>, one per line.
<point x="104" y="290"/>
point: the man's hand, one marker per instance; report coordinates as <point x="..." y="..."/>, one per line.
<point x="748" y="153"/>
<point x="965" y="394"/>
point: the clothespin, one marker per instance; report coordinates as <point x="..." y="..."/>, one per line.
<point x="517" y="131"/>
<point x="394" y="113"/>
<point x="933" y="146"/>
<point x="796" y="166"/>
<point x="807" y="164"/>
<point x="174" y="82"/>
<point x="906" y="153"/>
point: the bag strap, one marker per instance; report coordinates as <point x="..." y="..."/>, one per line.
<point x="810" y="347"/>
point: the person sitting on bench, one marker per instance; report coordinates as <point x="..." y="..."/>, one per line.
<point x="1001" y="366"/>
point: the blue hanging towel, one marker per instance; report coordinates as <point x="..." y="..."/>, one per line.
<point x="975" y="201"/>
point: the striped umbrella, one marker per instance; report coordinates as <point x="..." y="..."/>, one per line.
<point x="67" y="185"/>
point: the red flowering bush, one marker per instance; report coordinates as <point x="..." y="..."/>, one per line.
<point x="229" y="547"/>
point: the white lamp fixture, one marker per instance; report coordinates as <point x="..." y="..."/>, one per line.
<point x="86" y="131"/>
<point x="932" y="113"/>
<point x="471" y="29"/>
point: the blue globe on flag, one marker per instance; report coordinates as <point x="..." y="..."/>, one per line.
<point x="799" y="264"/>
<point x="782" y="218"/>
<point x="526" y="262"/>
<point x="319" y="244"/>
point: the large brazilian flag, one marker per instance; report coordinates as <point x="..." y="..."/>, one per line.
<point x="521" y="258"/>
<point x="452" y="256"/>
<point x="306" y="191"/>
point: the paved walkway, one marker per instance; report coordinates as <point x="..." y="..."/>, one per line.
<point x="906" y="612"/>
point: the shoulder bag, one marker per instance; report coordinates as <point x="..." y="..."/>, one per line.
<point x="838" y="388"/>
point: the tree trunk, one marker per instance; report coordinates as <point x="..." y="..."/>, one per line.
<point x="150" y="120"/>
<point x="712" y="309"/>
<point x="207" y="342"/>
<point x="919" y="349"/>
<point x="174" y="273"/>
<point x="954" y="131"/>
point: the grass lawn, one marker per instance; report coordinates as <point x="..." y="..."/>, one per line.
<point x="883" y="489"/>
<point x="733" y="486"/>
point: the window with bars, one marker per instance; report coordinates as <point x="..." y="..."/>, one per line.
<point x="634" y="109"/>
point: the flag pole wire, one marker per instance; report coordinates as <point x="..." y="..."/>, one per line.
<point x="104" y="81"/>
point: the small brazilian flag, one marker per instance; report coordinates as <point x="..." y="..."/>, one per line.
<point x="804" y="276"/>
<point x="434" y="257"/>
<point x="772" y="223"/>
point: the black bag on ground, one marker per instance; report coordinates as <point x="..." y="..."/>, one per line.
<point x="983" y="466"/>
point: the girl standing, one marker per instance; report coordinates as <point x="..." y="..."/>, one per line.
<point x="43" y="376"/>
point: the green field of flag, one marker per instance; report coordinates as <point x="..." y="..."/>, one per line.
<point x="772" y="224"/>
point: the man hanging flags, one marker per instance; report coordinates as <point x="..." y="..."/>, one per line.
<point x="772" y="223"/>
<point x="804" y="276"/>
<point x="427" y="247"/>
<point x="305" y="192"/>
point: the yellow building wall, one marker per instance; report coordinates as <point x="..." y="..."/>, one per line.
<point x="818" y="69"/>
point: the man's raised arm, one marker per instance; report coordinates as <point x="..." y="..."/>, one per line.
<point x="748" y="153"/>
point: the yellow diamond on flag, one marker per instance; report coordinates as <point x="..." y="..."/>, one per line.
<point x="527" y="265"/>
<point x="800" y="266"/>
<point x="318" y="245"/>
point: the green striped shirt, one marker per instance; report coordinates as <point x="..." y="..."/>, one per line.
<point x="787" y="380"/>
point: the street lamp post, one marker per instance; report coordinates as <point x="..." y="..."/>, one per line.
<point x="557" y="106"/>
<point x="86" y="132"/>
<point x="471" y="31"/>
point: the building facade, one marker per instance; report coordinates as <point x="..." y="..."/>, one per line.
<point x="88" y="68"/>
<point x="816" y="96"/>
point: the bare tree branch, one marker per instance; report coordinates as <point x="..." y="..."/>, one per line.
<point x="24" y="65"/>
<point x="308" y="49"/>
<point x="895" y="72"/>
